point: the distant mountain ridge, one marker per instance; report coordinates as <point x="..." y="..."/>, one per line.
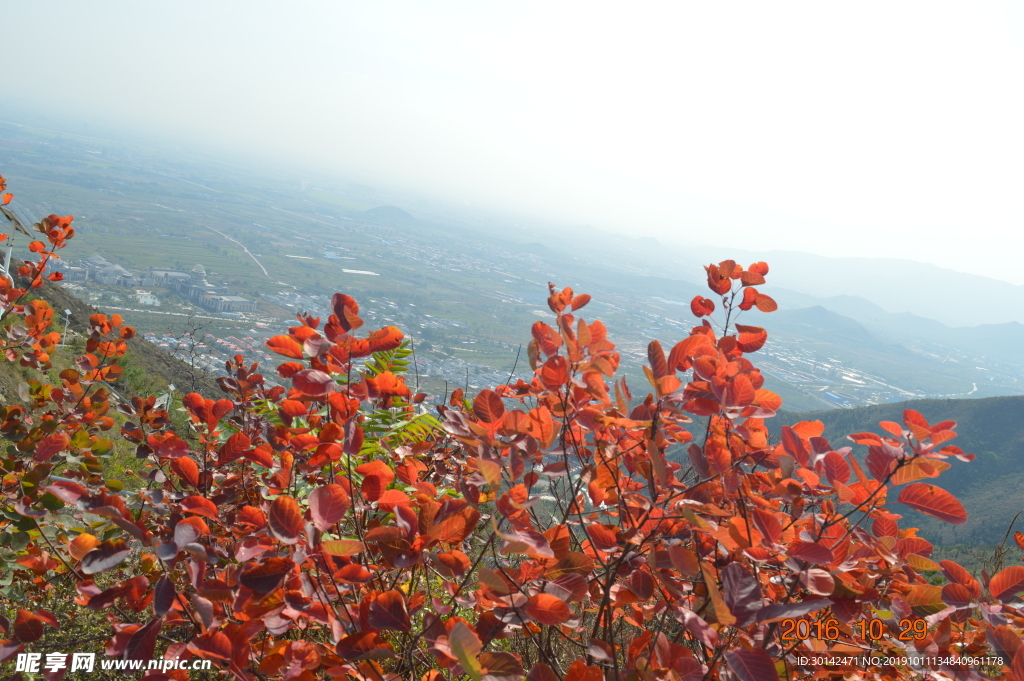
<point x="954" y="298"/>
<point x="1003" y="342"/>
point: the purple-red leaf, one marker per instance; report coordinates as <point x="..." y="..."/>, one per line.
<point x="388" y="611"/>
<point x="106" y="556"/>
<point x="328" y="505"/>
<point x="751" y="664"/>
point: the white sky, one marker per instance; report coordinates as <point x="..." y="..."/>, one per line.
<point x="891" y="129"/>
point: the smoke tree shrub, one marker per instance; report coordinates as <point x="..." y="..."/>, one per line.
<point x="560" y="528"/>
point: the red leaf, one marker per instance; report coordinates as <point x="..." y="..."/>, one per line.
<point x="580" y="300"/>
<point x="751" y="664"/>
<point x="285" y="519"/>
<point x="817" y="581"/>
<point x="28" y="626"/>
<point x="376" y="478"/>
<point x="603" y="537"/>
<point x="285" y="345"/>
<point x="251" y="515"/>
<point x="213" y="645"/>
<point x="956" y="595"/>
<point x="580" y="671"/>
<point x="885" y="527"/>
<point x="836" y="468"/>
<point x="502" y="666"/>
<point x="81" y="545"/>
<point x="68" y="491"/>
<point x="555" y="372"/>
<point x="701" y="306"/>
<point x="188" y="530"/>
<point x="750" y="278"/>
<point x="387" y="611"/>
<point x="143" y="642"/>
<point x="186" y="469"/>
<point x="364" y="646"/>
<point x="1007" y="582"/>
<point x="546" y="608"/>
<point x="199" y="506"/>
<point x="812" y="552"/>
<point x="933" y="501"/>
<point x="767" y="524"/>
<point x="391" y="498"/>
<point x="865" y="439"/>
<point x="265" y="577"/>
<point x="749" y="298"/>
<point x="741" y="593"/>
<point x="750" y="338"/>
<point x="164" y="596"/>
<point x="766" y="303"/>
<point x="388" y="338"/>
<point x="346" y="310"/>
<point x="488" y="407"/>
<point x="169" y="445"/>
<point x="50" y="445"/>
<point x="328" y="505"/>
<point x="313" y="382"/>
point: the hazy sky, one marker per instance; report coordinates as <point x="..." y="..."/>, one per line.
<point x="870" y="128"/>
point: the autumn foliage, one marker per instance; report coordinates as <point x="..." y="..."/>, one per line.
<point x="561" y="528"/>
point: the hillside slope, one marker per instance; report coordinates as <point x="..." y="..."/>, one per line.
<point x="148" y="369"/>
<point x="989" y="487"/>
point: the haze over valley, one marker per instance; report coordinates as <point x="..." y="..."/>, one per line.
<point x="466" y="284"/>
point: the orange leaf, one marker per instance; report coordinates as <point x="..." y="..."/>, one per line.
<point x="285" y="345"/>
<point x="285" y="519"/>
<point x="578" y="671"/>
<point x="376" y="477"/>
<point x="580" y="300"/>
<point x="934" y="501"/>
<point x="766" y="303"/>
<point x="82" y="544"/>
<point x="7" y="198"/>
<point x="836" y="468"/>
<point x="701" y="306"/>
<point x="1007" y="582"/>
<point x="391" y="498"/>
<point x="488" y="407"/>
<point x="750" y="338"/>
<point x="186" y="469"/>
<point x="199" y="506"/>
<point x="548" y="609"/>
<point x="342" y="547"/>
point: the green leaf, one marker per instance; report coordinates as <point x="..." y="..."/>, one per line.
<point x="102" y="447"/>
<point x="51" y="502"/>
